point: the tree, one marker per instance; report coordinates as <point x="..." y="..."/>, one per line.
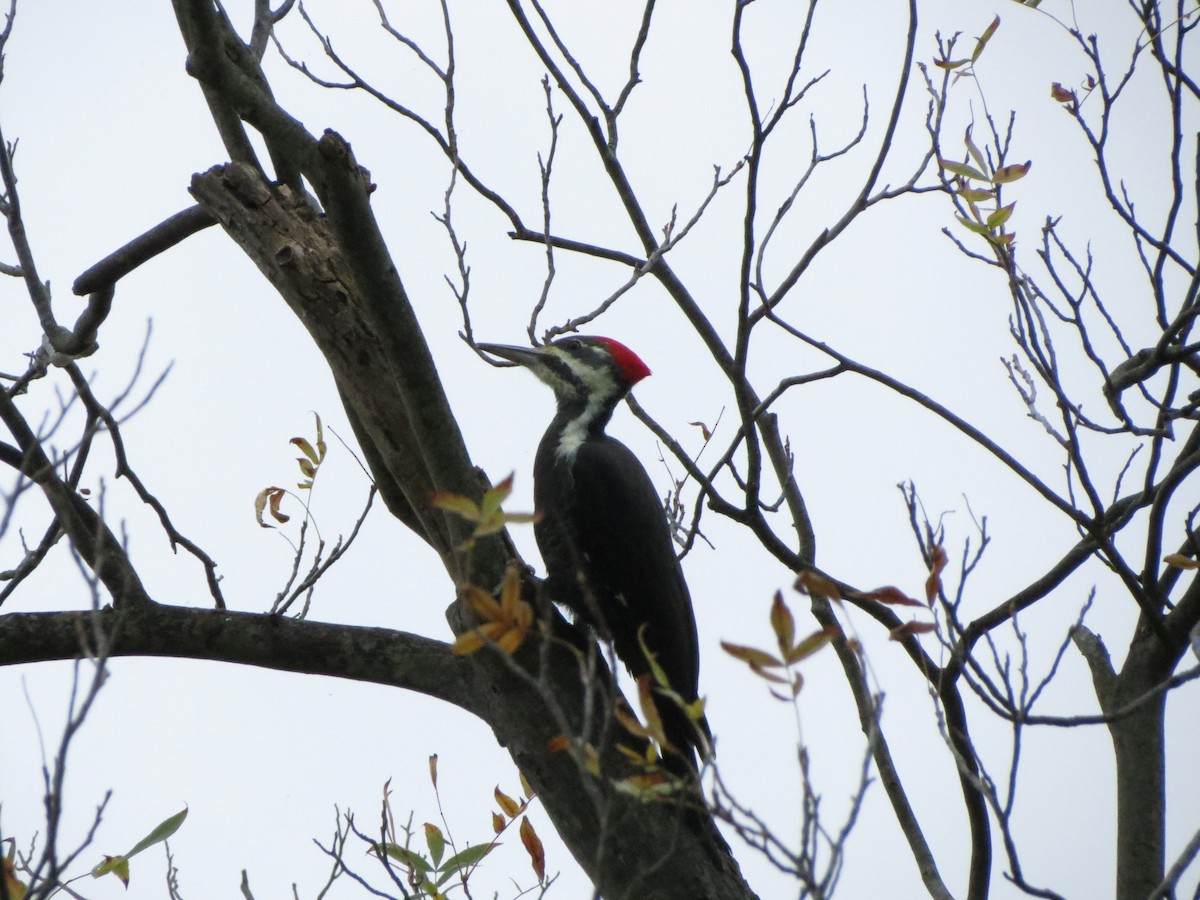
<point x="744" y="258"/>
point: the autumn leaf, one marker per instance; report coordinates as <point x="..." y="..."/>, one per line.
<point x="1061" y="94"/>
<point x="811" y="645"/>
<point x="909" y="628"/>
<point x="271" y="496"/>
<point x="1179" y="561"/>
<point x="815" y="584"/>
<point x="937" y="562"/>
<point x="486" y="515"/>
<point x="892" y="596"/>
<point x="505" y="623"/>
<point x="533" y="845"/>
<point x="984" y="38"/>
<point x="507" y="804"/>
<point x="751" y="655"/>
<point x="1008" y="174"/>
<point x="782" y="623"/>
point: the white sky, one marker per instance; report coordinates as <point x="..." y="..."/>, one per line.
<point x="111" y="129"/>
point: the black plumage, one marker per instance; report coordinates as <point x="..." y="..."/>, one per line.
<point x="603" y="533"/>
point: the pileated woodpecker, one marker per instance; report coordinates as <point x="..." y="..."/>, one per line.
<point x="603" y="533"/>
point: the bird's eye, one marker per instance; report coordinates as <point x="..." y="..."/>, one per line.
<point x="572" y="344"/>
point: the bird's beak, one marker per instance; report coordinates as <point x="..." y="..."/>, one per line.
<point x="530" y="357"/>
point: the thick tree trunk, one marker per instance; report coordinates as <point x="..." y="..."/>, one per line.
<point x="1137" y="734"/>
<point x="630" y="848"/>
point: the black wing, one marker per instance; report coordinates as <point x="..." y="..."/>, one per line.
<point x="623" y="537"/>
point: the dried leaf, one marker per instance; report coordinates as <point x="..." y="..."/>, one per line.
<point x="950" y="63"/>
<point x="307" y="449"/>
<point x="815" y="584"/>
<point x="811" y="644"/>
<point x="1007" y="174"/>
<point x="646" y="701"/>
<point x="1179" y="561"/>
<point x="909" y="628"/>
<point x="1061" y="94"/>
<point x="751" y="655"/>
<point x="984" y="38"/>
<point x="782" y="623"/>
<point x="483" y="603"/>
<point x="892" y="596"/>
<point x="765" y="675"/>
<point x="558" y="744"/>
<point x="497" y="822"/>
<point x="937" y="562"/>
<point x="433" y="769"/>
<point x="508" y="805"/>
<point x="533" y="844"/>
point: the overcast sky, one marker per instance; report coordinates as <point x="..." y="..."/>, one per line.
<point x="111" y="129"/>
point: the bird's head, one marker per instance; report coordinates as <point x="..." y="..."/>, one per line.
<point x="580" y="370"/>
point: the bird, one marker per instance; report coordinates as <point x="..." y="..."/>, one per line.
<point x="604" y="535"/>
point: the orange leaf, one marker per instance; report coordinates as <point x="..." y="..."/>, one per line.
<point x="782" y="623"/>
<point x="508" y="805"/>
<point x="1179" y="561"/>
<point x="892" y="596"/>
<point x="1061" y="94"/>
<point x="909" y="628"/>
<point x="751" y="655"/>
<point x="937" y="562"/>
<point x="533" y="844"/>
<point x="814" y="583"/>
<point x="812" y="644"/>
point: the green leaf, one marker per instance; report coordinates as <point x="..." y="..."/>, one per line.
<point x="494" y="496"/>
<point x="957" y="168"/>
<point x="976" y="195"/>
<point x="977" y="227"/>
<point x="307" y="449"/>
<point x="975" y="152"/>
<point x="117" y="865"/>
<point x="984" y="38"/>
<point x="458" y="504"/>
<point x="469" y="857"/>
<point x="414" y="861"/>
<point x="161" y="832"/>
<point x="437" y="843"/>
<point x="464" y="859"/>
<point x="1000" y="216"/>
